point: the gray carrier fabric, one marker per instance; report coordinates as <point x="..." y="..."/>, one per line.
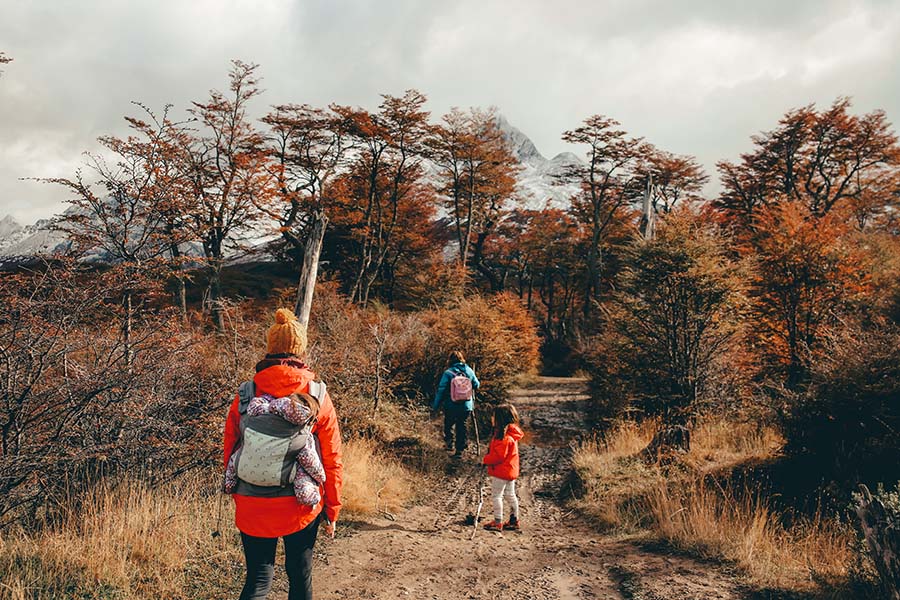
<point x="266" y="459"/>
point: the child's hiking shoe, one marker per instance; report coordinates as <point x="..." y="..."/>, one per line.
<point x="494" y="526"/>
<point x="512" y="525"/>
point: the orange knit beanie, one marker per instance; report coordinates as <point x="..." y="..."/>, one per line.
<point x="287" y="335"/>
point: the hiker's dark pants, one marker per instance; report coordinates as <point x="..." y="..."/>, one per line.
<point x="455" y="417"/>
<point x="259" y="554"/>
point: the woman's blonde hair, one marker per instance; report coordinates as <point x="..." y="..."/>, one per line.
<point x="456" y="357"/>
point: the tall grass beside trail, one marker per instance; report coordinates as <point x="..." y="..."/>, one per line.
<point x="373" y="483"/>
<point x="129" y="541"/>
<point x="741" y="527"/>
<point x="686" y="507"/>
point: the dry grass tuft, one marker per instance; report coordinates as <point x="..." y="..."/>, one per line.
<point x="685" y="506"/>
<point x="373" y="483"/>
<point x="740" y="527"/>
<point x="719" y="444"/>
<point x="615" y="480"/>
<point x="127" y="542"/>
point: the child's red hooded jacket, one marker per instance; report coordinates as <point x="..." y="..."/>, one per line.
<point x="502" y="459"/>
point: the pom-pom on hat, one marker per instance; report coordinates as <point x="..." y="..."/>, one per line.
<point x="287" y="335"/>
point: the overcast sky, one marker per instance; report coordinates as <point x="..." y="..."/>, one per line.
<point x="692" y="76"/>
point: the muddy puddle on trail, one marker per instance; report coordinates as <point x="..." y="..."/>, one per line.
<point x="554" y="415"/>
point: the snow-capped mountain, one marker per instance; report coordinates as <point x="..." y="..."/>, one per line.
<point x="539" y="183"/>
<point x="539" y="186"/>
<point x="17" y="240"/>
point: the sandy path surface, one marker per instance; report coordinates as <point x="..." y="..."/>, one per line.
<point x="428" y="552"/>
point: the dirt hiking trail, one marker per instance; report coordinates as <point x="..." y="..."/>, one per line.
<point x="427" y="552"/>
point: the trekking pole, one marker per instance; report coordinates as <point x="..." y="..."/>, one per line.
<point x="480" y="503"/>
<point x="480" y="468"/>
<point x="218" y="530"/>
<point x="475" y="425"/>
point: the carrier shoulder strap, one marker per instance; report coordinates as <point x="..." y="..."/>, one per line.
<point x="246" y="392"/>
<point x="317" y="390"/>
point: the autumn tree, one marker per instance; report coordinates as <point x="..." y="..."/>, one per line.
<point x="808" y="271"/>
<point x="820" y="159"/>
<point x="128" y="223"/>
<point x="610" y="179"/>
<point x="674" y="178"/>
<point x="675" y="321"/>
<point x="227" y="164"/>
<point x="550" y="258"/>
<point x="309" y="148"/>
<point x="477" y="179"/>
<point x="384" y="178"/>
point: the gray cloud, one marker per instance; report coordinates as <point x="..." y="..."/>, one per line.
<point x="695" y="76"/>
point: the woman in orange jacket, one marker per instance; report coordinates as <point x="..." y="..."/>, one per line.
<point x="502" y="462"/>
<point x="263" y="518"/>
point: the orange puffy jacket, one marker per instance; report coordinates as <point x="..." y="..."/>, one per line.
<point x="275" y="517"/>
<point x="502" y="459"/>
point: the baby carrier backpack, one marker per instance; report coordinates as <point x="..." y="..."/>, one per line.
<point x="266" y="456"/>
<point x="460" y="387"/>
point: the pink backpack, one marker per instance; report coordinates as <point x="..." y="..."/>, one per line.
<point x="460" y="388"/>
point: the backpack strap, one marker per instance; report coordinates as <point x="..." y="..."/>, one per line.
<point x="246" y="392"/>
<point x="317" y="390"/>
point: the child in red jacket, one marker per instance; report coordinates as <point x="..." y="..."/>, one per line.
<point x="502" y="462"/>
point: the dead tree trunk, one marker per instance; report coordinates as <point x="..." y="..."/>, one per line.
<point x="307" y="283"/>
<point x="648" y="213"/>
<point x="881" y="530"/>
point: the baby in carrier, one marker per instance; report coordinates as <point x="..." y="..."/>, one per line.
<point x="310" y="472"/>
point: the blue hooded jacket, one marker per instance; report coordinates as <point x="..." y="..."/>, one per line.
<point x="442" y="396"/>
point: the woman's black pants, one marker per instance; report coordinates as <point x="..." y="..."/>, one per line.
<point x="259" y="554"/>
<point x="455" y="418"/>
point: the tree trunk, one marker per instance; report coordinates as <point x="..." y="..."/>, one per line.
<point x="126" y="330"/>
<point x="181" y="296"/>
<point x="648" y="213"/>
<point x="307" y="284"/>
<point x="881" y="530"/>
<point x="215" y="295"/>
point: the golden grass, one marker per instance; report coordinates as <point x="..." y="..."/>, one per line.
<point x="615" y="480"/>
<point x="129" y="542"/>
<point x="373" y="483"/>
<point x="684" y="506"/>
<point x="720" y="444"/>
<point x="124" y="542"/>
<point x="740" y="527"/>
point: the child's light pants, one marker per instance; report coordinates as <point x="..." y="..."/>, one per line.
<point x="500" y="489"/>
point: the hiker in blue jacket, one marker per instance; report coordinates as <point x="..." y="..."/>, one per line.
<point x="456" y="411"/>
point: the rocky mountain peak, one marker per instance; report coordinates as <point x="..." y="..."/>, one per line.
<point x="9" y="226"/>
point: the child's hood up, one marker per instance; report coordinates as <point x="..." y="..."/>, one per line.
<point x="514" y="431"/>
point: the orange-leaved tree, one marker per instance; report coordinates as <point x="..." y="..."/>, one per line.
<point x="808" y="270"/>
<point x="385" y="177"/>
<point x="477" y="180"/>
<point x="230" y="180"/>
<point x="610" y="179"/>
<point x="129" y="223"/>
<point x="309" y="148"/>
<point x="821" y="159"/>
